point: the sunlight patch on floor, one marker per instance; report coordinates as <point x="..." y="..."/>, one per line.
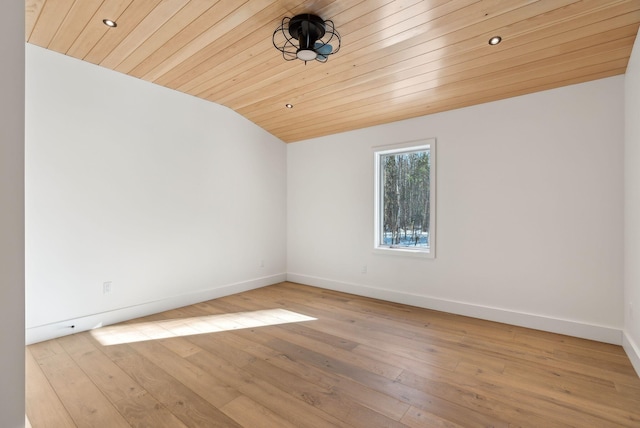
<point x="164" y="329"/>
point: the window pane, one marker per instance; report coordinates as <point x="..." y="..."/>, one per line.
<point x="405" y="199"/>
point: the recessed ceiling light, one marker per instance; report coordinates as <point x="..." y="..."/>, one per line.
<point x="288" y="105"/>
<point x="495" y="40"/>
<point x="110" y="23"/>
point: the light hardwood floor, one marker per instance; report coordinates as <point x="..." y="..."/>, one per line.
<point x="252" y="360"/>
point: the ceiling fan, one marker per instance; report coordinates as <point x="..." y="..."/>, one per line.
<point x="306" y="37"/>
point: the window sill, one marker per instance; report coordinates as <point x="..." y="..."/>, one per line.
<point x="404" y="252"/>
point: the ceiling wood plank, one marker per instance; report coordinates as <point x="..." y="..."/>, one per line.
<point x="73" y="24"/>
<point x="50" y="19"/>
<point x="399" y="58"/>
<point x="94" y="29"/>
<point x="184" y="37"/>
<point x="31" y="15"/>
<point x="212" y="78"/>
<point x="374" y="38"/>
<point x="447" y="29"/>
<point x="458" y="70"/>
<point x="130" y="18"/>
<point x="230" y="45"/>
<point x="237" y="26"/>
<point x="422" y="100"/>
<point x="365" y="119"/>
<point x="247" y="48"/>
<point x="546" y="69"/>
<point x="436" y="101"/>
<point x="167" y="70"/>
<point x="147" y="27"/>
<point x="438" y="50"/>
<point x="188" y="14"/>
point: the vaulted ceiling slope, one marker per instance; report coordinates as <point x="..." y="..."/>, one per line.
<point x="399" y="59"/>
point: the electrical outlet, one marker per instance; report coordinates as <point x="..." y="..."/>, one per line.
<point x="106" y="287"/>
<point x="630" y="310"/>
<point x="261" y="263"/>
<point x="364" y="269"/>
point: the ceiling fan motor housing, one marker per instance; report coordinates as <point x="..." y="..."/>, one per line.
<point x="307" y="29"/>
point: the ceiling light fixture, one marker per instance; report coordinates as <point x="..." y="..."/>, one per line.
<point x="109" y="23"/>
<point x="495" y="40"/>
<point x="306" y="37"/>
<point x="288" y="105"/>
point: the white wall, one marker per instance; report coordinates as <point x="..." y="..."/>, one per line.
<point x="529" y="212"/>
<point x="12" y="215"/>
<point x="632" y="208"/>
<point x="171" y="198"/>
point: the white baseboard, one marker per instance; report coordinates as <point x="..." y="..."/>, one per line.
<point x="534" y="321"/>
<point x="89" y="322"/>
<point x="539" y="322"/>
<point x="632" y="350"/>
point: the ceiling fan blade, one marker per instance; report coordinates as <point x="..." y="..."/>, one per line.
<point x="322" y="48"/>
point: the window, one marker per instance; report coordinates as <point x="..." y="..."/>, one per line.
<point x="405" y="198"/>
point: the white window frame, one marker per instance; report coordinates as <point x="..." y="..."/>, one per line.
<point x="406" y="147"/>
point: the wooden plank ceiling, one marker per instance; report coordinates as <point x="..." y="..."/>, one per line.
<point x="399" y="59"/>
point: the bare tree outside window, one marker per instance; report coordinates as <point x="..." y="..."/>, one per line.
<point x="405" y="197"/>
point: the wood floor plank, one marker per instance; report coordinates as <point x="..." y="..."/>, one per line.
<point x="248" y="413"/>
<point x="342" y="389"/>
<point x="302" y="413"/>
<point x="249" y="360"/>
<point x="416" y="418"/>
<point x="204" y="384"/>
<point x="473" y="395"/>
<point x="573" y="384"/>
<point x="296" y="334"/>
<point x="329" y="344"/>
<point x="131" y="400"/>
<point x="535" y="400"/>
<point x="86" y="404"/>
<point x="182" y="348"/>
<point x="104" y="373"/>
<point x="385" y="341"/>
<point x="442" y="352"/>
<point x="294" y="387"/>
<point x="342" y="398"/>
<point x="42" y="404"/>
<point x="395" y="389"/>
<point x="546" y="357"/>
<point x="145" y="411"/>
<point x="181" y="400"/>
<point x="627" y="389"/>
<point x="45" y="349"/>
<point x="543" y="339"/>
<point x="227" y="352"/>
